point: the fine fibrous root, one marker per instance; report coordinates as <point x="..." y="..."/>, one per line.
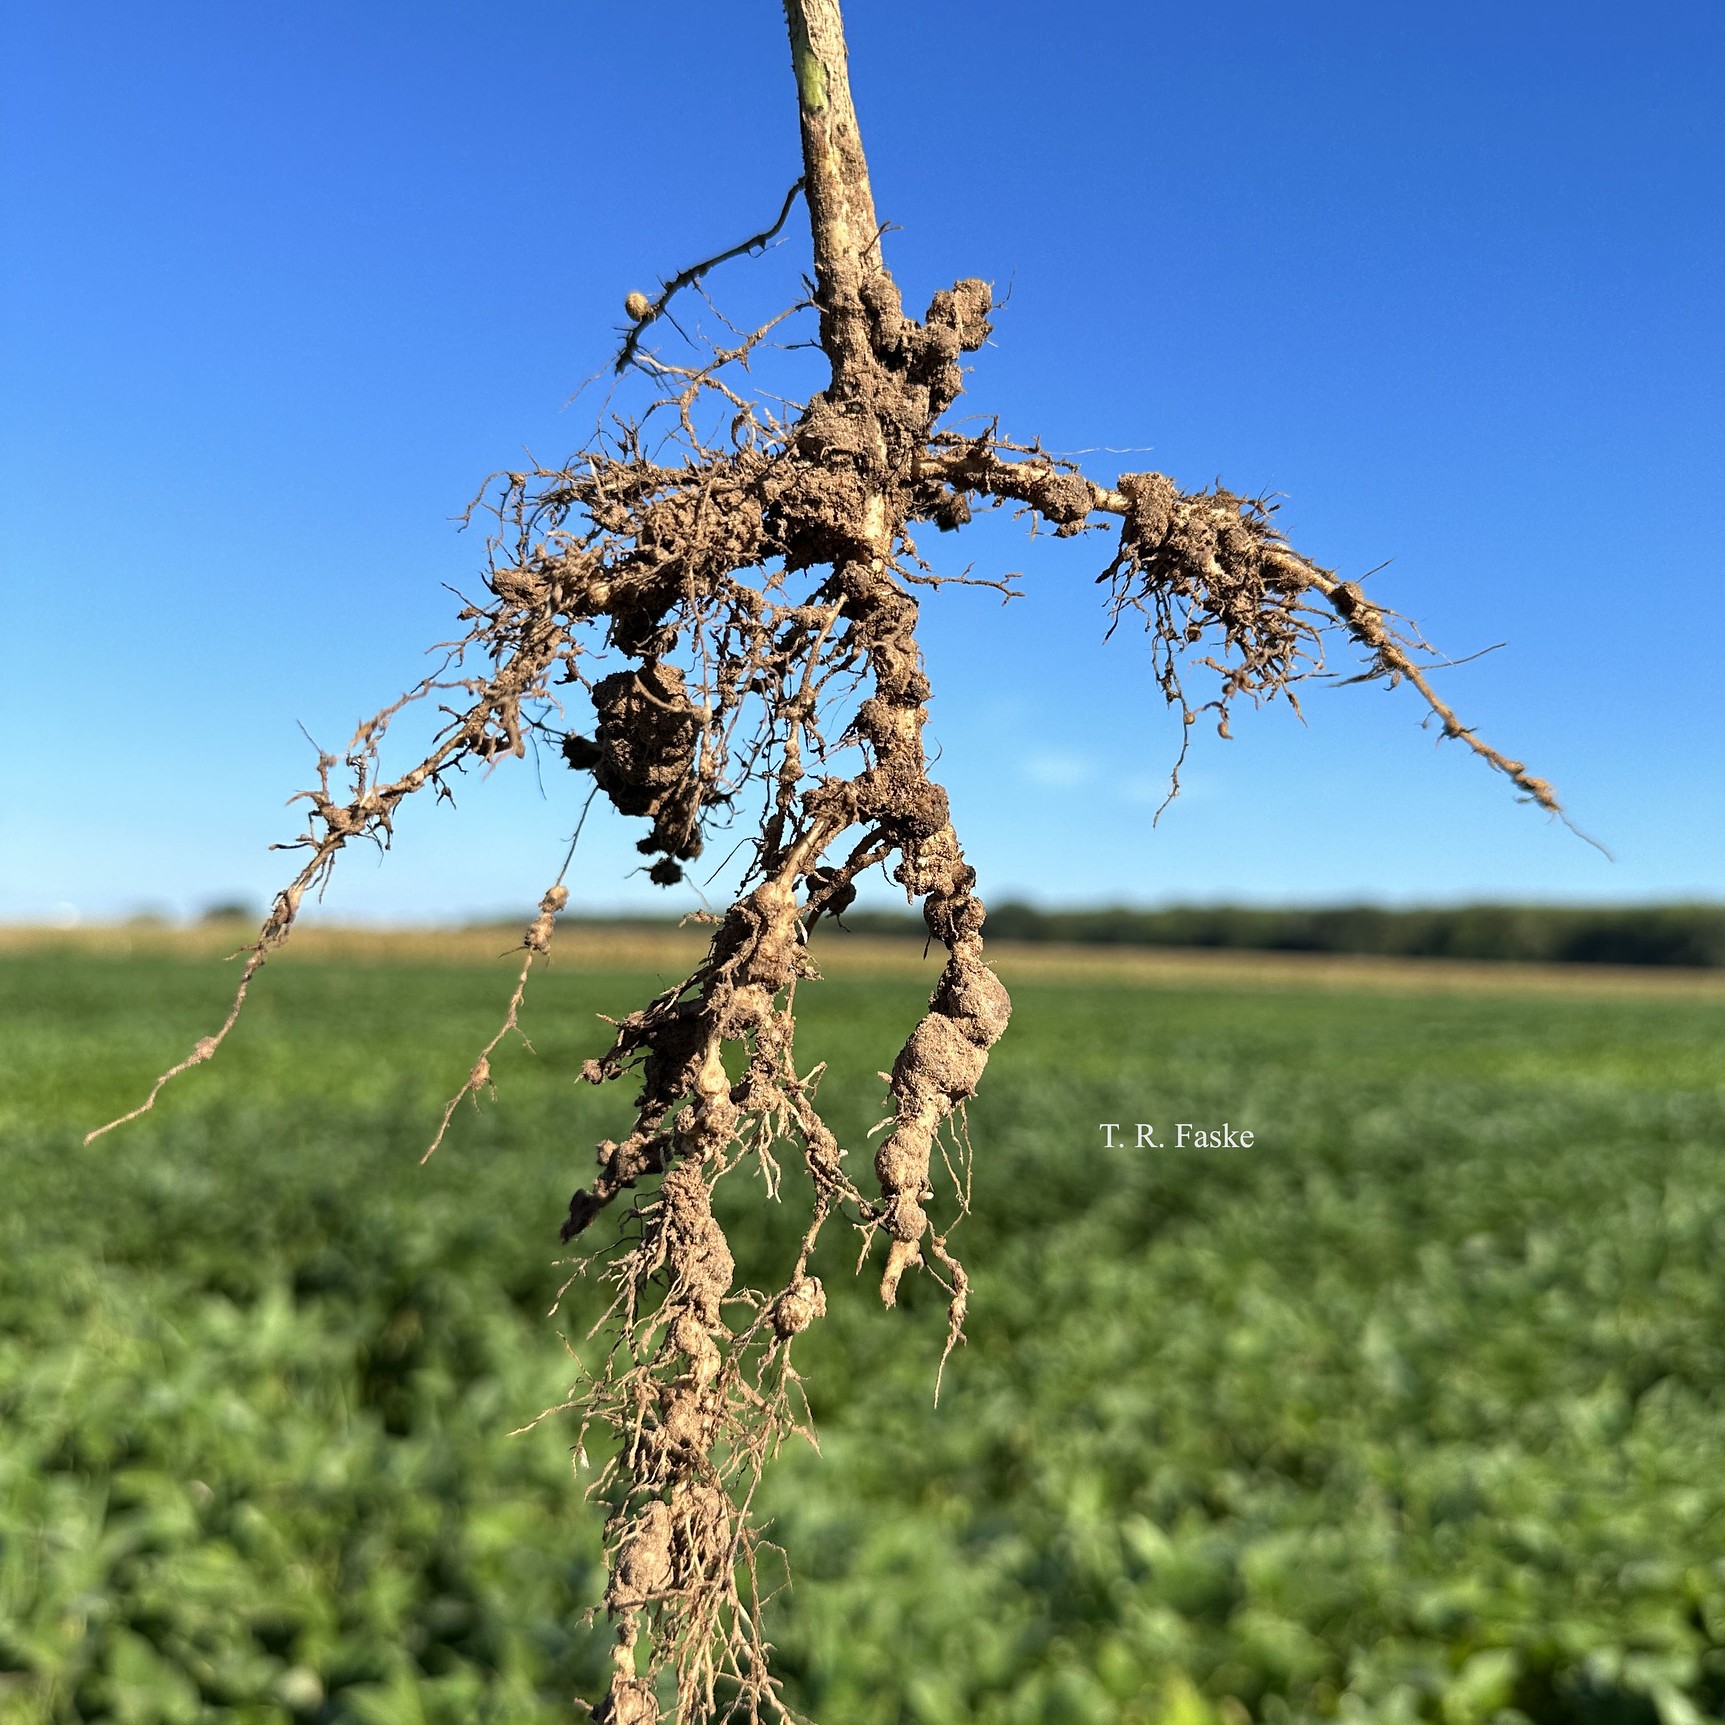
<point x="737" y="603"/>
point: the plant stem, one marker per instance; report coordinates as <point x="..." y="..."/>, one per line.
<point x="853" y="289"/>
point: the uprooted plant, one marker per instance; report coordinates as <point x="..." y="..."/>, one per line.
<point x="755" y="586"/>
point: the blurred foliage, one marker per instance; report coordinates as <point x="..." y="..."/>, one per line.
<point x="1662" y="934"/>
<point x="1411" y="1411"/>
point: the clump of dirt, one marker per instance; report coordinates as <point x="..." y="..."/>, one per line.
<point x="760" y="590"/>
<point x="647" y="756"/>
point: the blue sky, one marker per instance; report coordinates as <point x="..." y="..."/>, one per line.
<point x="283" y="284"/>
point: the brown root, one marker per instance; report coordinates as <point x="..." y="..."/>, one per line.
<point x="1205" y="567"/>
<point x="738" y="607"/>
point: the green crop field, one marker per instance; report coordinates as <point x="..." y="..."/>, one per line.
<point x="1413" y="1409"/>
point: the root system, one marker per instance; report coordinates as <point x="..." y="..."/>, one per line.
<point x="749" y="568"/>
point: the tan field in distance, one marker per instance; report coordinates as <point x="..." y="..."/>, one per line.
<point x="624" y="946"/>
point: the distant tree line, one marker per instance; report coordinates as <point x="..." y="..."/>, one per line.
<point x="1668" y="934"/>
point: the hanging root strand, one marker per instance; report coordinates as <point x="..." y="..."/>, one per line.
<point x="1201" y="567"/>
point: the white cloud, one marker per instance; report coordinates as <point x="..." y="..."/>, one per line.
<point x="1056" y="769"/>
